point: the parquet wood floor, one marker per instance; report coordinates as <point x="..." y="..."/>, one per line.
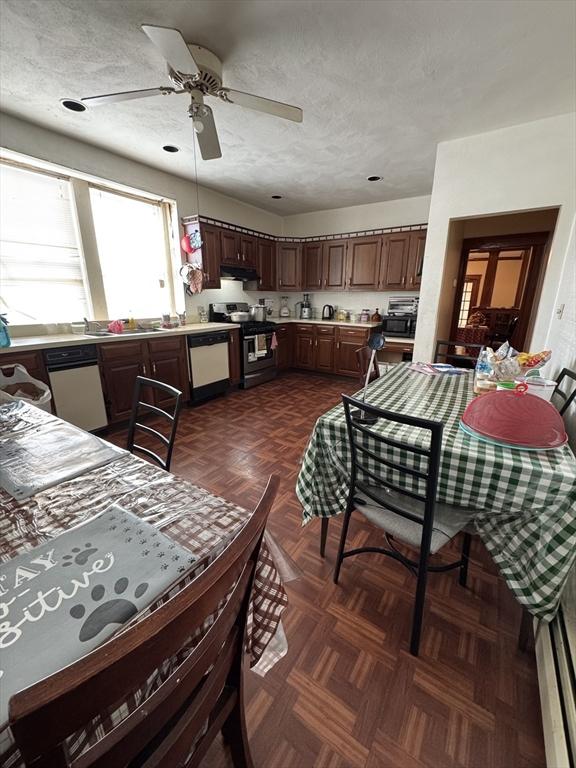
<point x="348" y="694"/>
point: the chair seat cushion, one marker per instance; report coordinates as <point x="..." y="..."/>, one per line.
<point x="448" y="520"/>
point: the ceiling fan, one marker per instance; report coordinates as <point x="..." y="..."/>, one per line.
<point x="198" y="72"/>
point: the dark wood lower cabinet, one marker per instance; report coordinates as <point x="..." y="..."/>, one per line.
<point x="284" y="350"/>
<point x="169" y="364"/>
<point x="33" y="361"/>
<point x="304" y="350"/>
<point x="348" y="340"/>
<point x="328" y="349"/>
<point x="234" y="357"/>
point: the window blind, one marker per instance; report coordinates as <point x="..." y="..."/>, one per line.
<point x="41" y="269"/>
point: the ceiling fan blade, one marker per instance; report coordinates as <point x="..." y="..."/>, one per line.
<point x="277" y="108"/>
<point x="173" y="47"/>
<point x="208" y="137"/>
<point x="109" y="98"/>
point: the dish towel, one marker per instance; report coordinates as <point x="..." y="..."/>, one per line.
<point x="274" y="342"/>
<point x="261" y="345"/>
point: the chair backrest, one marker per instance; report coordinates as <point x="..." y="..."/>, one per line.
<point x="446" y="352"/>
<point x="363" y="356"/>
<point x="382" y="462"/>
<point x="166" y="725"/>
<point x="141" y="407"/>
<point x="564" y="395"/>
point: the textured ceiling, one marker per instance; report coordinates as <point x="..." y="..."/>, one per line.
<point x="380" y="83"/>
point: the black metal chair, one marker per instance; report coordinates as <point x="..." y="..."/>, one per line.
<point x="411" y="516"/>
<point x="565" y="396"/>
<point x="446" y="356"/>
<point x="140" y="406"/>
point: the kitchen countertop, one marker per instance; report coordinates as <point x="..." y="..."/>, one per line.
<point x="30" y="343"/>
<point x="284" y="320"/>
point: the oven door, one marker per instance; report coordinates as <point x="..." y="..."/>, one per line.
<point x="397" y="326"/>
<point x="256" y="357"/>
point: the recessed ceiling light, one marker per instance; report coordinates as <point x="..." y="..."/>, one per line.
<point x="170" y="148"/>
<point x="374" y="178"/>
<point x="73" y="105"/>
<point x="276" y="197"/>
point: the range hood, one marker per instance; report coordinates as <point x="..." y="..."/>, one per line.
<point x="245" y="274"/>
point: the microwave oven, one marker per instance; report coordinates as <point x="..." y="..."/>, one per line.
<point x="399" y="325"/>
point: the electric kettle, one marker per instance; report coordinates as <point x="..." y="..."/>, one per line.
<point x="327" y="312"/>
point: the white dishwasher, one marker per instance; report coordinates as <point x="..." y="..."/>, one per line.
<point x="76" y="385"/>
<point x="209" y="372"/>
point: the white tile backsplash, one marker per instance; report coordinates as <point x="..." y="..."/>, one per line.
<point x="233" y="291"/>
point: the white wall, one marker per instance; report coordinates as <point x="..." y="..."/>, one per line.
<point x="525" y="167"/>
<point x="29" y="139"/>
<point x="393" y="213"/>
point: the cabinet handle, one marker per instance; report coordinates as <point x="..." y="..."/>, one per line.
<point x="337" y="345"/>
<point x="319" y="283"/>
<point x="310" y="342"/>
<point x="411" y="279"/>
<point x="154" y="368"/>
<point x="144" y="369"/>
<point x="316" y="343"/>
<point x="403" y="279"/>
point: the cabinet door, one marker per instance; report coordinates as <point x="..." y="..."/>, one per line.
<point x="324" y="350"/>
<point x="416" y="259"/>
<point x="120" y="364"/>
<point x="364" y="263"/>
<point x="289" y="265"/>
<point x="304" y="350"/>
<point x="230" y="247"/>
<point x="168" y="364"/>
<point x="284" y="348"/>
<point x="348" y="340"/>
<point x="211" y="256"/>
<point x="334" y="264"/>
<point x="312" y="266"/>
<point x="267" y="265"/>
<point x="234" y="356"/>
<point x="247" y="251"/>
<point x="33" y="361"/>
<point x="395" y="262"/>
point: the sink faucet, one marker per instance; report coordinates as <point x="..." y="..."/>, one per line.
<point x="91" y="325"/>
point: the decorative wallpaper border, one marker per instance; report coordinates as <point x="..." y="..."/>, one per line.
<point x="317" y="238"/>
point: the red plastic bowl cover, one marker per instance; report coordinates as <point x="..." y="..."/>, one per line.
<point x="518" y="419"/>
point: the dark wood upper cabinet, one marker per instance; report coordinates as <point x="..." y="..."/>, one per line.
<point x="211" y="251"/>
<point x="363" y="262"/>
<point x="230" y="247"/>
<point x="416" y="259"/>
<point x="312" y="266"/>
<point x="289" y="266"/>
<point x="266" y="265"/>
<point x="394" y="267"/>
<point x="247" y="251"/>
<point x="334" y="264"/>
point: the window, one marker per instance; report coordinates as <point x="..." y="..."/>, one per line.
<point x="134" y="262"/>
<point x="73" y="247"/>
<point x="41" y="269"/>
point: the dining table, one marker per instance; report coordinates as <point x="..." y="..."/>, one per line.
<point x="197" y="520"/>
<point x="522" y="502"/>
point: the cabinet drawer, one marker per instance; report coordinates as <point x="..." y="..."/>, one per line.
<point x="120" y="350"/>
<point x="281" y="330"/>
<point x="172" y="344"/>
<point x="325" y="330"/>
<point x="305" y="329"/>
<point x="352" y="333"/>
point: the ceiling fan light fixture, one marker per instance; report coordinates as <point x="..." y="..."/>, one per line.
<point x="170" y="148"/>
<point x="73" y="105"/>
<point x="374" y="178"/>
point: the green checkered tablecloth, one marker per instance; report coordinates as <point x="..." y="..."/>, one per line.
<point x="525" y="500"/>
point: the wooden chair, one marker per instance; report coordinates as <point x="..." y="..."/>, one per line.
<point x="363" y="355"/>
<point x="443" y="354"/>
<point x="140" y="406"/>
<point x="412" y="516"/>
<point x="204" y="691"/>
<point x="565" y="396"/>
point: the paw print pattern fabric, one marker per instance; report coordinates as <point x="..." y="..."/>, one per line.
<point x="78" y="589"/>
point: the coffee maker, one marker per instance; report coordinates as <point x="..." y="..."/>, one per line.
<point x="305" y="308"/>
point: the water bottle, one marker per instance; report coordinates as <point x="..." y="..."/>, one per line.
<point x="482" y="372"/>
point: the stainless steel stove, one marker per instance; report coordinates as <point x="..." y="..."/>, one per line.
<point x="258" y="361"/>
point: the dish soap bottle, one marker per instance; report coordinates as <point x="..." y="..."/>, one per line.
<point x="131" y="321"/>
<point x="4" y="335"/>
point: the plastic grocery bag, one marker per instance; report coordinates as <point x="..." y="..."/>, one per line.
<point x="17" y="384"/>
